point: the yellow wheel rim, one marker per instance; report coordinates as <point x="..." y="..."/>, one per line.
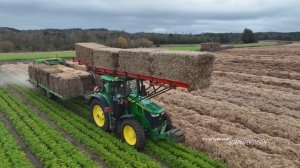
<point x="129" y="135"/>
<point x="98" y="115"/>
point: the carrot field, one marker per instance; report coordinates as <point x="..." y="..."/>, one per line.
<point x="58" y="137"/>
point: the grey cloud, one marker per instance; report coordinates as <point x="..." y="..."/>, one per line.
<point x="189" y="16"/>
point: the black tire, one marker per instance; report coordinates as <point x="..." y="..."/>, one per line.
<point x="106" y="126"/>
<point x="169" y="122"/>
<point x="139" y="132"/>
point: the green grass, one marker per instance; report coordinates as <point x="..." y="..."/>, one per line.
<point x="182" y="47"/>
<point x="35" y="55"/>
<point x="258" y="44"/>
<point x="196" y="47"/>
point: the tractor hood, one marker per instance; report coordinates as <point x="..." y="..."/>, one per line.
<point x="146" y="104"/>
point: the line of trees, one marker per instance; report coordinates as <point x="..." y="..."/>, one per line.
<point x="64" y="39"/>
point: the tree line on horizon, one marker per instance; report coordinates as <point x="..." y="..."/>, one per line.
<point x="13" y="40"/>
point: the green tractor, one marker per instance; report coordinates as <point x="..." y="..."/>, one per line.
<point x="121" y="103"/>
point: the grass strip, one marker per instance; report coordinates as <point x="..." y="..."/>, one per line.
<point x="36" y="55"/>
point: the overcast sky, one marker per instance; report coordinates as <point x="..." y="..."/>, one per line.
<point x="166" y="16"/>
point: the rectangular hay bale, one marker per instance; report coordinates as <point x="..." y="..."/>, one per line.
<point x="32" y="70"/>
<point x="44" y="73"/>
<point x="194" y="68"/>
<point x="75" y="65"/>
<point x="40" y="73"/>
<point x="136" y="61"/>
<point x="66" y="84"/>
<point x="84" y="51"/>
<point x="86" y="78"/>
<point x="106" y="58"/>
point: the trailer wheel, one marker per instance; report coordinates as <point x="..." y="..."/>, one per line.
<point x="133" y="134"/>
<point x="100" y="118"/>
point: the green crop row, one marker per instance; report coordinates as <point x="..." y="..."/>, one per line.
<point x="11" y="154"/>
<point x="114" y="152"/>
<point x="76" y="107"/>
<point x="51" y="149"/>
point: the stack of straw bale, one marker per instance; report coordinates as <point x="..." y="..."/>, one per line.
<point x="65" y="81"/>
<point x="194" y="68"/>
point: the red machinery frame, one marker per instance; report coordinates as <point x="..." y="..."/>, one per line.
<point x="152" y="79"/>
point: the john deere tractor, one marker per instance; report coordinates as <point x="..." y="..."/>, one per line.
<point x="121" y="103"/>
<point x="124" y="105"/>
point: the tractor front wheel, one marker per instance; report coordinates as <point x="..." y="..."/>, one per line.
<point x="132" y="133"/>
<point x="100" y="118"/>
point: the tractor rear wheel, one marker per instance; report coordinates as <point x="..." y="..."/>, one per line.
<point x="100" y="118"/>
<point x="132" y="133"/>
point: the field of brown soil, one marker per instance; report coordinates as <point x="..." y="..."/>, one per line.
<point x="250" y="117"/>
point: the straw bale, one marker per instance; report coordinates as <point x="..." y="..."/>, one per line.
<point x="75" y="65"/>
<point x="32" y="70"/>
<point x="66" y="81"/>
<point x="84" y="51"/>
<point x="136" y="61"/>
<point x="106" y="58"/>
<point x="194" y="68"/>
<point x="43" y="73"/>
<point x="66" y="84"/>
<point x="86" y="78"/>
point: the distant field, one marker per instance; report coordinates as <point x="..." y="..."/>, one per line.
<point x="36" y="55"/>
<point x="195" y="47"/>
<point x="182" y="47"/>
<point x="259" y="44"/>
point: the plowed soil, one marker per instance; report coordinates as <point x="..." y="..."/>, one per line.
<point x="250" y="116"/>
